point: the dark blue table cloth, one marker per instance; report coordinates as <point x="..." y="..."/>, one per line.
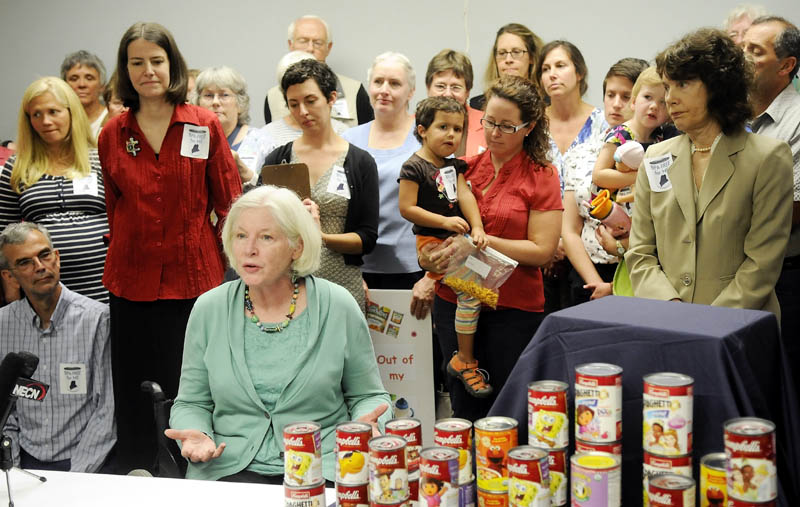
<point x="735" y="357"/>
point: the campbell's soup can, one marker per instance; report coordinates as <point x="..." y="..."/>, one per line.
<point x="598" y="402"/>
<point x="457" y="434"/>
<point x="596" y="479"/>
<point x="751" y="472"/>
<point x="654" y="466"/>
<point x="388" y="474"/>
<point x="528" y="477"/>
<point x="352" y="496"/>
<point x="494" y="438"/>
<point x="410" y="429"/>
<point x="671" y="490"/>
<point x="712" y="480"/>
<point x="303" y="496"/>
<point x="302" y="444"/>
<point x="438" y="482"/>
<point x="352" y="449"/>
<point x="609" y="447"/>
<point x="667" y="401"/>
<point x="557" y="468"/>
<point x="488" y="498"/>
<point x="413" y="487"/>
<point x="733" y="502"/>
<point x="548" y="426"/>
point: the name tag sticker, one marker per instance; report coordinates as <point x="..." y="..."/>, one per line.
<point x="447" y="181"/>
<point x="338" y="183"/>
<point x="195" y="141"/>
<point x="72" y="378"/>
<point x="85" y="186"/>
<point x="657" y="172"/>
<point x="340" y="109"/>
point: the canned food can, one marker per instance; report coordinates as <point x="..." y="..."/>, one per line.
<point x="751" y="472"/>
<point x="596" y="479"/>
<point x="488" y="498"/>
<point x="457" y="434"/>
<point x="302" y="496"/>
<point x="672" y="490"/>
<point x="712" y="480"/>
<point x="302" y="443"/>
<point x="352" y="449"/>
<point x="399" y="503"/>
<point x="352" y="495"/>
<point x="388" y="475"/>
<point x="438" y="482"/>
<point x="529" y="477"/>
<point x="466" y="494"/>
<point x="410" y="429"/>
<point x="494" y="438"/>
<point x="598" y="402"/>
<point x="609" y="447"/>
<point x="557" y="468"/>
<point x="654" y="465"/>
<point x="734" y="502"/>
<point x="548" y="426"/>
<point x="413" y="487"/>
<point x="667" y="401"/>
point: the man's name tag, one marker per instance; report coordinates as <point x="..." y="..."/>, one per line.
<point x="340" y="109"/>
<point x="338" y="183"/>
<point x="72" y="378"/>
<point x="85" y="186"/>
<point x="195" y="141"/>
<point x="657" y="175"/>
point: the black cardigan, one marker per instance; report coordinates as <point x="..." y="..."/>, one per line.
<point x="362" y="212"/>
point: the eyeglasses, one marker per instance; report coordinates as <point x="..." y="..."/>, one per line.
<point x="223" y="96"/>
<point x="515" y="53"/>
<point x="505" y="129"/>
<point x="27" y="265"/>
<point x="442" y="88"/>
<point x="317" y="43"/>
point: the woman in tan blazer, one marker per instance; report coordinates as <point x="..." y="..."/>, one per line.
<point x="713" y="206"/>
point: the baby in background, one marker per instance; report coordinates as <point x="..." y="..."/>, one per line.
<point x="435" y="197"/>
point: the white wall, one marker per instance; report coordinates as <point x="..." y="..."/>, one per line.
<point x="250" y="35"/>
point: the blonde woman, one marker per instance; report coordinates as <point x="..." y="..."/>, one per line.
<point x="55" y="180"/>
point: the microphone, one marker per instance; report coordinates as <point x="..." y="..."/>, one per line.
<point x="10" y="369"/>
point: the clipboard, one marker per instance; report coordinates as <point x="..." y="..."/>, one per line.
<point x="291" y="176"/>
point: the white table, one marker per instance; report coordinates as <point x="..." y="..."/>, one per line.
<point x="66" y="489"/>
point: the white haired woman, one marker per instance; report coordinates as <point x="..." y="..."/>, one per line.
<point x="280" y="343"/>
<point x="223" y="91"/>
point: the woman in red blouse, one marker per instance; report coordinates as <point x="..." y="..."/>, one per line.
<point x="166" y="167"/>
<point x="519" y="197"/>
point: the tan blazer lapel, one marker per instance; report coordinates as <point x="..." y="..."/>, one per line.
<point x="680" y="174"/>
<point x="720" y="169"/>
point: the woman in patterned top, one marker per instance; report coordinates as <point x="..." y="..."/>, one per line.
<point x="55" y="180"/>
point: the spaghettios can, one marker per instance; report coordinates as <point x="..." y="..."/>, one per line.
<point x="609" y="447"/>
<point x="410" y="429"/>
<point x="488" y="498"/>
<point x="672" y="490"/>
<point x="352" y="450"/>
<point x="557" y="468"/>
<point x="750" y="459"/>
<point x="596" y="479"/>
<point x="712" y="480"/>
<point x="494" y="438"/>
<point x="598" y="402"/>
<point x="548" y="426"/>
<point x="528" y="477"/>
<point x="654" y="466"/>
<point x="302" y="496"/>
<point x="457" y="434"/>
<point x="352" y="496"/>
<point x="302" y="445"/>
<point x="388" y="475"/>
<point x="438" y="482"/>
<point x="667" y="401"/>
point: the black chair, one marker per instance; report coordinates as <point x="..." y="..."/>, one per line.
<point x="169" y="462"/>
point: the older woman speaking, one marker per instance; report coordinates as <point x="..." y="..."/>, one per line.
<point x="272" y="348"/>
<point x="714" y="206"/>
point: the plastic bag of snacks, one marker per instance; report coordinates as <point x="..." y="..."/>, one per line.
<point x="479" y="273"/>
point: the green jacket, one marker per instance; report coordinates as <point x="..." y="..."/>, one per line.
<point x="337" y="379"/>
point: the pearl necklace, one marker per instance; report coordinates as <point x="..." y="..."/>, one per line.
<point x="695" y="149"/>
<point x="280" y="326"/>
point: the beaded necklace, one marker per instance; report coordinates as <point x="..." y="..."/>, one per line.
<point x="280" y="326"/>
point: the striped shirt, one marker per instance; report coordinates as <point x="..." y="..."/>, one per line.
<point x="74" y="212"/>
<point x="76" y="419"/>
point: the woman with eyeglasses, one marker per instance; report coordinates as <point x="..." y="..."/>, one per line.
<point x="515" y="52"/>
<point x="55" y="180"/>
<point x="518" y="196"/>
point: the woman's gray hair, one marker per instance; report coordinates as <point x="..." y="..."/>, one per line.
<point x="224" y="77"/>
<point x="288" y="60"/>
<point x="16" y="234"/>
<point x="292" y="217"/>
<point x="392" y="57"/>
<point x="85" y="58"/>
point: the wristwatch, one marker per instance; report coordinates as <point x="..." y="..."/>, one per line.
<point x="620" y="249"/>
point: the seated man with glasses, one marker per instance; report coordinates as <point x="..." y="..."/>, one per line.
<point x="311" y="34"/>
<point x="72" y="429"/>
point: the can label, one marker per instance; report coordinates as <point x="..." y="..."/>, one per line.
<point x="750" y="450"/>
<point x="557" y="469"/>
<point x="466" y="494"/>
<point x="596" y="480"/>
<point x="352" y="496"/>
<point x="713" y="488"/>
<point x="494" y="438"/>
<point x="667" y="415"/>
<point x="411" y="430"/>
<point x="654" y="466"/>
<point x="529" y="477"/>
<point x="400" y="503"/>
<point x="609" y="447"/>
<point x="351" y="452"/>
<point x="598" y="406"/>
<point x="388" y="475"/>
<point x="456" y="434"/>
<point x="547" y="414"/>
<point x="492" y="498"/>
<point x="304" y="496"/>
<point x="413" y="487"/>
<point x="733" y="502"/>
<point x="672" y="491"/>
<point x="302" y="444"/>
